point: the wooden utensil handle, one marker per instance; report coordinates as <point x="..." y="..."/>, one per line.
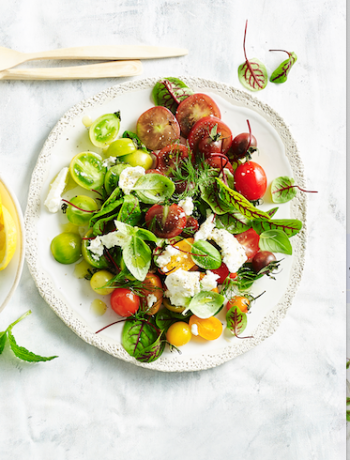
<point x="110" y="52"/>
<point x="105" y="70"/>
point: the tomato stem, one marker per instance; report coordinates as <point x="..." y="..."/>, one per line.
<point x="246" y="59"/>
<point x="284" y="51"/>
<point x="293" y="186"/>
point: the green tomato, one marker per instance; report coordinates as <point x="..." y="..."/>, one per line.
<point x="120" y="147"/>
<point x="77" y="217"/>
<point x="100" y="279"/>
<point x="104" y="130"/>
<point x="66" y="248"/>
<point x="112" y="177"/>
<point x="87" y="170"/>
<point x="101" y="262"/>
<point x="139" y="158"/>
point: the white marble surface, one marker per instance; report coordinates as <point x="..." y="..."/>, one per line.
<point x="286" y="398"/>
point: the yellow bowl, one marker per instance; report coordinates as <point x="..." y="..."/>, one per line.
<point x="10" y="276"/>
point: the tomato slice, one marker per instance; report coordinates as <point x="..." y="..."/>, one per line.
<point x="171" y="157"/>
<point x="157" y="128"/>
<point x="193" y="108"/>
<point x="250" y="240"/>
<point x="202" y="129"/>
<point x="104" y="130"/>
<point x="87" y="170"/>
<point x="250" y="180"/>
<point x="222" y="271"/>
<point x="166" y="221"/>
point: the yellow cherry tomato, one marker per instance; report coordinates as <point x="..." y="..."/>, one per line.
<point x="100" y="279"/>
<point x="208" y="328"/>
<point x="179" y="334"/>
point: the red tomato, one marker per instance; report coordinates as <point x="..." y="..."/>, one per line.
<point x="193" y="108"/>
<point x="192" y="225"/>
<point x="219" y="162"/>
<point x="124" y="302"/>
<point x="166" y="221"/>
<point x="250" y="180"/>
<point x="222" y="271"/>
<point x="250" y="241"/>
<point x="172" y="156"/>
<point x="207" y="145"/>
<point x="203" y="127"/>
<point x="240" y="145"/>
<point x="153" y="171"/>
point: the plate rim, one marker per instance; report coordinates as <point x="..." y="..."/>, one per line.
<point x="270" y="322"/>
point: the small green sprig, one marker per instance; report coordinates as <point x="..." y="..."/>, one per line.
<point x="20" y="352"/>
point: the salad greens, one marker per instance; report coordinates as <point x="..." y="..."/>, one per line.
<point x="280" y="74"/>
<point x="170" y="92"/>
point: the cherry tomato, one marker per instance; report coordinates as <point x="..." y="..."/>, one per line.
<point x="250" y="240"/>
<point x="222" y="271"/>
<point x="219" y="162"/>
<point x="138" y="158"/>
<point x="191" y="224"/>
<point x="179" y="334"/>
<point x="250" y="180"/>
<point x="193" y="108"/>
<point x="207" y="145"/>
<point x="66" y="248"/>
<point x="100" y="279"/>
<point x="104" y="130"/>
<point x="171" y="157"/>
<point x="169" y="306"/>
<point x="203" y="127"/>
<point x="208" y="328"/>
<point x="262" y="259"/>
<point x="153" y="286"/>
<point x="87" y="170"/>
<point x="239" y="301"/>
<point x="157" y="128"/>
<point x="124" y="302"/>
<point x="166" y="221"/>
<point x="240" y="145"/>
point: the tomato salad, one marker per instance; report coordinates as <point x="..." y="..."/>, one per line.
<point x="175" y="233"/>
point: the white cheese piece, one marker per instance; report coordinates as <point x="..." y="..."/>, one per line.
<point x="233" y="253"/>
<point x="128" y="178"/>
<point x="209" y="281"/>
<point x="194" y="329"/>
<point x="54" y="198"/>
<point x="206" y="228"/>
<point x="165" y="257"/>
<point x="182" y="285"/>
<point x="187" y="205"/>
<point x="108" y="162"/>
<point x="109" y="241"/>
<point x="151" y="300"/>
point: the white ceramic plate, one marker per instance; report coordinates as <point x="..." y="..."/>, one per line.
<point x="71" y="298"/>
<point x="10" y="276"/>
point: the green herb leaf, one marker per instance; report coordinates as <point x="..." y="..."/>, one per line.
<point x="238" y="201"/>
<point x="146" y="235"/>
<point x="23" y="353"/>
<point x="112" y="177"/>
<point x="289" y="226"/>
<point x="164" y="319"/>
<point x="137" y="335"/>
<point x="234" y="222"/>
<point x="206" y="304"/>
<point x="106" y="212"/>
<point x="283" y="189"/>
<point x="170" y="92"/>
<point x="210" y="194"/>
<point x="130" y="212"/>
<point x="152" y="352"/>
<point x="236" y="320"/>
<point x="208" y="256"/>
<point x="253" y="75"/>
<point x="280" y="75"/>
<point x="154" y="188"/>
<point x="3" y="337"/>
<point x="271" y="212"/>
<point x="137" y="257"/>
<point x="275" y="241"/>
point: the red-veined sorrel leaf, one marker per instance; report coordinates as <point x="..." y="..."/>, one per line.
<point x="283" y="189"/>
<point x="280" y="75"/>
<point x="252" y="73"/>
<point x="237" y="322"/>
<point x="170" y="92"/>
<point x="234" y="222"/>
<point x="289" y="226"/>
<point x="152" y="352"/>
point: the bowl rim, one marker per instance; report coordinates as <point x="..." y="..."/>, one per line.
<point x="20" y="242"/>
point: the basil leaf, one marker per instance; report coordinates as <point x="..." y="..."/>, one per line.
<point x="206" y="304"/>
<point x="170" y="92"/>
<point x="125" y="229"/>
<point x="107" y="211"/>
<point x="136" y="140"/>
<point x="100" y="225"/>
<point x="289" y="226"/>
<point x="210" y="194"/>
<point x="146" y="235"/>
<point x="236" y="320"/>
<point x="280" y="75"/>
<point x="209" y="257"/>
<point x="154" y="188"/>
<point x="240" y="203"/>
<point x="152" y="352"/>
<point x="283" y="189"/>
<point x="23" y="353"/>
<point x="138" y="335"/>
<point x="137" y="257"/>
<point x="130" y="212"/>
<point x="3" y="337"/>
<point x="112" y="177"/>
<point x="253" y="75"/>
<point x="275" y="241"/>
<point x="234" y="222"/>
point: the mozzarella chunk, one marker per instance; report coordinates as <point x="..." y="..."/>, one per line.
<point x="109" y="241"/>
<point x="187" y="205"/>
<point x="151" y="300"/>
<point x="209" y="281"/>
<point x="128" y="178"/>
<point x="182" y="285"/>
<point x="206" y="228"/>
<point x="54" y="198"/>
<point x="194" y="329"/>
<point x="165" y="258"/>
<point x="233" y="253"/>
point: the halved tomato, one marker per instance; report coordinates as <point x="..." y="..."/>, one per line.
<point x="193" y="108"/>
<point x="166" y="221"/>
<point x="250" y="241"/>
<point x="204" y="127"/>
<point x="172" y="156"/>
<point x="87" y="170"/>
<point x="157" y="128"/>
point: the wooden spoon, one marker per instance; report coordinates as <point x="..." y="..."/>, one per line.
<point x="10" y="58"/>
<point x="104" y="70"/>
